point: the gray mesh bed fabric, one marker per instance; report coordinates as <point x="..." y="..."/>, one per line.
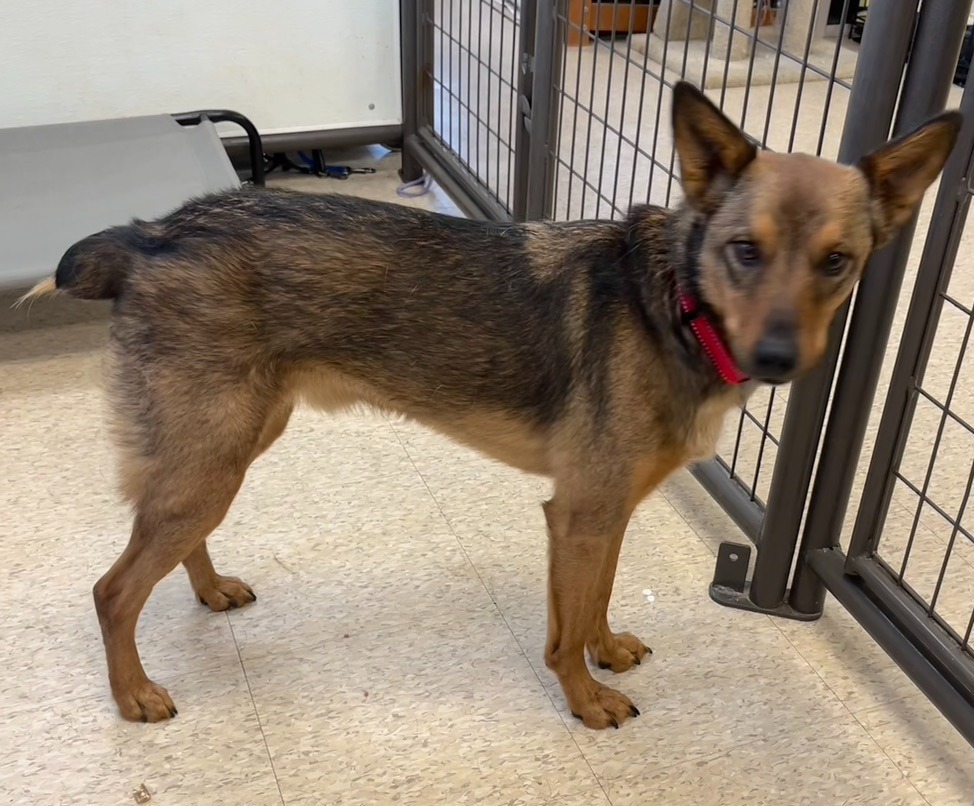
<point x="62" y="182"/>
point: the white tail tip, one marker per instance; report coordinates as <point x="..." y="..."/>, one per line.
<point x="44" y="288"/>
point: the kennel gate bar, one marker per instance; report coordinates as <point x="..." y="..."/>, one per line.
<point x="521" y="111"/>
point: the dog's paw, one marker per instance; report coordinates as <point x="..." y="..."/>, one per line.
<point x="145" y="702"/>
<point x="619" y="652"/>
<point x="226" y="593"/>
<point x="603" y="707"/>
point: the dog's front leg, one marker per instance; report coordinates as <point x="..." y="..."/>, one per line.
<point x="621" y="651"/>
<point x="581" y="539"/>
<point x="609" y="650"/>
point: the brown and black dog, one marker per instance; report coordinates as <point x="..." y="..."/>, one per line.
<point x="602" y="354"/>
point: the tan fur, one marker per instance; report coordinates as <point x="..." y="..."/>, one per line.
<point x="556" y="348"/>
<point x="45" y="288"/>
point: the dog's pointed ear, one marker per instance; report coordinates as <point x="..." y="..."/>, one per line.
<point x="712" y="150"/>
<point x="900" y="172"/>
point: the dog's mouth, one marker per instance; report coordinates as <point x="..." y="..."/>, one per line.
<point x="769" y="377"/>
<point x="773" y="380"/>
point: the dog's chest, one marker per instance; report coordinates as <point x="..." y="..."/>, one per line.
<point x="707" y="424"/>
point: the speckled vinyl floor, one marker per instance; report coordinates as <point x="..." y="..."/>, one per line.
<point x="394" y="653"/>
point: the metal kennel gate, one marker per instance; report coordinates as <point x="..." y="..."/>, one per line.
<point x="907" y="575"/>
<point x="560" y="109"/>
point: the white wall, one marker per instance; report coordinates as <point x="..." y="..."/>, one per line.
<point x="288" y="65"/>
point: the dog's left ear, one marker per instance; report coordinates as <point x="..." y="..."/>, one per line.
<point x="900" y="172"/>
<point x="712" y="150"/>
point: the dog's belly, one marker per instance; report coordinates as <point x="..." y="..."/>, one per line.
<point x="333" y="392"/>
<point x="498" y="436"/>
<point x="495" y="434"/>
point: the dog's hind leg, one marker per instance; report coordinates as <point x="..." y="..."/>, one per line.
<point x="212" y="589"/>
<point x="186" y="442"/>
<point x="582" y="532"/>
<point x="166" y="530"/>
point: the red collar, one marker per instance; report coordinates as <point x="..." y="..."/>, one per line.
<point x="713" y="345"/>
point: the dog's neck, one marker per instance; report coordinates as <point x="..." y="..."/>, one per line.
<point x="696" y="315"/>
<point x="669" y="291"/>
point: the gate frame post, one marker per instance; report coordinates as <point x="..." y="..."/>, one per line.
<point x="537" y="102"/>
<point x="416" y="88"/>
<point x="875" y="89"/>
<point x="926" y="87"/>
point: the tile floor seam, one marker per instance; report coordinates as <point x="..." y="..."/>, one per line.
<point x="810" y="666"/>
<point x="707" y="757"/>
<point x="854" y="716"/>
<point x="507" y="624"/>
<point x="824" y="680"/>
<point x="703" y="757"/>
<point x="794" y="646"/>
<point x="898" y="698"/>
<point x="885" y="706"/>
<point x="253" y="702"/>
<point x="693" y="757"/>
<point x="521" y="648"/>
<point x="449" y="525"/>
<point x="466" y="555"/>
<point x="690" y="526"/>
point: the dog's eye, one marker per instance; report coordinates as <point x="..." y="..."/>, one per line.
<point x="834" y="264"/>
<point x="746" y="253"/>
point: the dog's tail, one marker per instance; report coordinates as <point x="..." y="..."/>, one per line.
<point x="96" y="267"/>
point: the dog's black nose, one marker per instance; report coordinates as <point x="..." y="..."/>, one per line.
<point x="775" y="356"/>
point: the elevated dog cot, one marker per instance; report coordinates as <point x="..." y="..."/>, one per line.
<point x="62" y="182"/>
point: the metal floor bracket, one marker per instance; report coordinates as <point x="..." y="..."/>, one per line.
<point x="731" y="588"/>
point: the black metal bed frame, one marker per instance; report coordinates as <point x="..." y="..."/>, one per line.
<point x="255" y="147"/>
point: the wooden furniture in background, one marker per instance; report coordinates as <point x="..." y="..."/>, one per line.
<point x="588" y="19"/>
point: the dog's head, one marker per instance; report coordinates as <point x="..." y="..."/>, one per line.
<point x="782" y="238"/>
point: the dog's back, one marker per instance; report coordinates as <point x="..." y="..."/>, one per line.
<point x="433" y="312"/>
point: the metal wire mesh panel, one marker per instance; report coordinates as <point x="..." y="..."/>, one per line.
<point x="473" y="72"/>
<point x="927" y="540"/>
<point x="776" y="68"/>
